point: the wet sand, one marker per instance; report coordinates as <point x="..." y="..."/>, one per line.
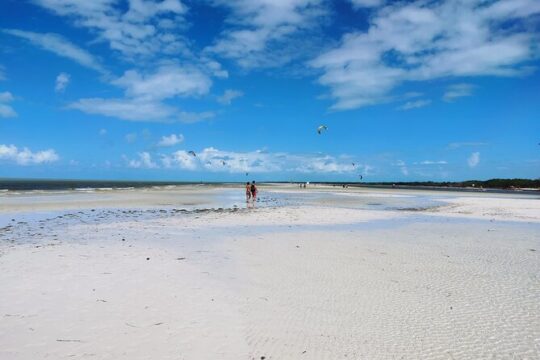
<point x="318" y="274"/>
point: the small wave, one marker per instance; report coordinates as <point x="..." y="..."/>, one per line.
<point x="85" y="189"/>
<point x="37" y="191"/>
<point x="163" y="187"/>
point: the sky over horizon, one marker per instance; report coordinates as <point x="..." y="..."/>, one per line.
<point x="215" y="90"/>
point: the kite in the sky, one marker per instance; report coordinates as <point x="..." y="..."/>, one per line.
<point x="321" y="128"/>
<point x="192" y="153"/>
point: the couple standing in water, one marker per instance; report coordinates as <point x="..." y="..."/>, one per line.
<point x="251" y="191"/>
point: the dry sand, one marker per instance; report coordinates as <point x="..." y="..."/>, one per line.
<point x="298" y="281"/>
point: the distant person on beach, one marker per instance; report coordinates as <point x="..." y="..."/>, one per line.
<point x="248" y="191"/>
<point x="253" y="190"/>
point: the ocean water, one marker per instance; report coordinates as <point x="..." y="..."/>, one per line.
<point x="82" y="185"/>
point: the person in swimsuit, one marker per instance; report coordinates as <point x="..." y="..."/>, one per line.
<point x="248" y="191"/>
<point x="253" y="191"/>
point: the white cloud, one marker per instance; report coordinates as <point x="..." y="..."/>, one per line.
<point x="25" y="156"/>
<point x="414" y="104"/>
<point x="367" y="3"/>
<point x="167" y="82"/>
<point x="171" y="140"/>
<point x="215" y="160"/>
<point x="59" y="46"/>
<point x="262" y="29"/>
<point x="138" y="110"/>
<point x="129" y="30"/>
<point x="456" y="91"/>
<point x="62" y="81"/>
<point x="144" y="161"/>
<point x="229" y="95"/>
<point x="420" y="41"/>
<point x="6" y="111"/>
<point x="6" y="96"/>
<point x="126" y="109"/>
<point x="144" y="95"/>
<point x="180" y="159"/>
<point x="215" y="68"/>
<point x="474" y="159"/>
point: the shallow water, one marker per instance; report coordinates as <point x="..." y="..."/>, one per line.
<point x="118" y="204"/>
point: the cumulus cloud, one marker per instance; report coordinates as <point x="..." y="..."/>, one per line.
<point x="59" y="46"/>
<point x="6" y="111"/>
<point x="145" y="93"/>
<point x="126" y="109"/>
<point x="180" y="159"/>
<point x="229" y="95"/>
<point x="130" y="29"/>
<point x="138" y="30"/>
<point x="143" y="161"/>
<point x="264" y="29"/>
<point x="421" y="41"/>
<point x="171" y="140"/>
<point x="456" y="91"/>
<point x="167" y="82"/>
<point x="62" y="81"/>
<point x="474" y="159"/>
<point x="414" y="104"/>
<point x="25" y="156"/>
<point x="215" y="160"/>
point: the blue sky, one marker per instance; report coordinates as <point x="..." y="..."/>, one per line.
<point x="409" y="90"/>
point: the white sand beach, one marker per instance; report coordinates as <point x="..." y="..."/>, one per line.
<point x="321" y="273"/>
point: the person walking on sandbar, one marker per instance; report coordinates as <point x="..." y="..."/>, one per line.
<point x="248" y="191"/>
<point x="253" y="190"/>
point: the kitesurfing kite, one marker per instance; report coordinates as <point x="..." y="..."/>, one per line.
<point x="321" y="128"/>
<point x="192" y="153"/>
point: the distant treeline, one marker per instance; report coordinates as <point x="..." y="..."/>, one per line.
<point x="486" y="184"/>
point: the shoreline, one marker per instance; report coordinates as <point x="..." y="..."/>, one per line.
<point x="22" y="186"/>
